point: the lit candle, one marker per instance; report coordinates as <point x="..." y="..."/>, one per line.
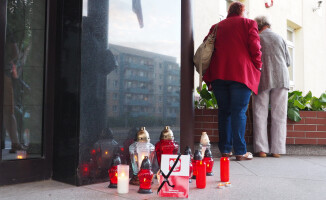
<point x="21" y="154"/>
<point x="220" y="186"/>
<point x="201" y="174"/>
<point x="123" y="179"/>
<point x="225" y="169"/>
<point x="228" y="184"/>
<point x="141" y="158"/>
<point x="208" y="159"/>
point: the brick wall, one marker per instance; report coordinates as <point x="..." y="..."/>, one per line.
<point x="310" y="130"/>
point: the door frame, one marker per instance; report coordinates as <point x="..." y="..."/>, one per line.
<point x="19" y="171"/>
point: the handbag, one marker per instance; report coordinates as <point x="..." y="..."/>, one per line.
<point x="202" y="57"/>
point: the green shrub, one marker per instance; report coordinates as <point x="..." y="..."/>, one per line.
<point x="206" y="99"/>
<point x="297" y="102"/>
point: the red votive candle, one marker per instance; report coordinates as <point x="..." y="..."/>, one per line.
<point x="201" y="174"/>
<point x="197" y="159"/>
<point x="113" y="175"/>
<point x="208" y="159"/>
<point x="225" y="169"/>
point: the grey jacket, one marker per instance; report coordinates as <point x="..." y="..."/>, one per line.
<point x="276" y="59"/>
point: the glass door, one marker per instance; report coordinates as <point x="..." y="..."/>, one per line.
<point x="23" y="64"/>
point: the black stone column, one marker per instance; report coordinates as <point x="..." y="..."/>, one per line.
<point x="83" y="63"/>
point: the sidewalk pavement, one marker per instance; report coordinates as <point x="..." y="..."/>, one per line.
<point x="288" y="177"/>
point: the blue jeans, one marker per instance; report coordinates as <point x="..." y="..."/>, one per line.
<point x="232" y="100"/>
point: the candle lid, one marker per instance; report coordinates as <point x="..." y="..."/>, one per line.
<point x="197" y="155"/>
<point x="204" y="140"/>
<point x="116" y="160"/>
<point x="146" y="164"/>
<point x="167" y="134"/>
<point x="187" y="151"/>
<point x="143" y="135"/>
<point x="208" y="153"/>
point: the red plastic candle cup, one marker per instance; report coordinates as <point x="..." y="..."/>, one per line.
<point x="195" y="161"/>
<point x="113" y="171"/>
<point x="113" y="175"/>
<point x="225" y="169"/>
<point x="208" y="159"/>
<point x="145" y="176"/>
<point x="209" y="166"/>
<point x="145" y="180"/>
<point x="201" y="174"/>
<point x="166" y="145"/>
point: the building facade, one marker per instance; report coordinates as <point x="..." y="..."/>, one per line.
<point x="302" y="23"/>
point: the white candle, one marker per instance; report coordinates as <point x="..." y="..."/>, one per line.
<point x="123" y="179"/>
<point x="221" y="186"/>
<point x="228" y="184"/>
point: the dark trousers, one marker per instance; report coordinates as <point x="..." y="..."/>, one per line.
<point x="232" y="100"/>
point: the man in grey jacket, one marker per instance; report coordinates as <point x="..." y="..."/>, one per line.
<point x="273" y="90"/>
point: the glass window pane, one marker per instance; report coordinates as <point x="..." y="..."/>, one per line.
<point x="290" y="35"/>
<point x="23" y="79"/>
<point x="131" y="75"/>
<point x="145" y="42"/>
<point x="290" y="68"/>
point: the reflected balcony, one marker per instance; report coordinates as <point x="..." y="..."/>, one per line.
<point x="138" y="67"/>
<point x="137" y="90"/>
<point x="138" y="78"/>
<point x="137" y="103"/>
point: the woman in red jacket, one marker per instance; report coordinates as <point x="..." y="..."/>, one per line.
<point x="234" y="73"/>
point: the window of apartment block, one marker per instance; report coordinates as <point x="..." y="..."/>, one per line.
<point x="291" y="47"/>
<point x="114" y="108"/>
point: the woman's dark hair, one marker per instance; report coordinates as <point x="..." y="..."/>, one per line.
<point x="236" y="8"/>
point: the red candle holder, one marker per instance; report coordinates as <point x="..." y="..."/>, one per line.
<point x="113" y="172"/>
<point x="208" y="159"/>
<point x="201" y="174"/>
<point x="145" y="176"/>
<point x="188" y="152"/>
<point x="166" y="145"/>
<point x="225" y="169"/>
<point x="197" y="158"/>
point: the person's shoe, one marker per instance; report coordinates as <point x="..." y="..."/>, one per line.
<point x="16" y="147"/>
<point x="247" y="156"/>
<point x="260" y="154"/>
<point x="275" y="155"/>
<point x="227" y="154"/>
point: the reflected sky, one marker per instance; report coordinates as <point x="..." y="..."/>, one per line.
<point x="161" y="31"/>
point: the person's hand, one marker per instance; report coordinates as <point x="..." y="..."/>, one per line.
<point x="14" y="71"/>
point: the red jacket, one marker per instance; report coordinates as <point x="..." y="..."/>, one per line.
<point x="237" y="55"/>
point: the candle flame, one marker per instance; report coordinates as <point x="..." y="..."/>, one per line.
<point x="207" y="165"/>
<point x="106" y="152"/>
<point x="201" y="163"/>
<point x="122" y="174"/>
<point x="144" y="179"/>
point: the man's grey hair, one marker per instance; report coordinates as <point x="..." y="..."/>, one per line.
<point x="262" y="21"/>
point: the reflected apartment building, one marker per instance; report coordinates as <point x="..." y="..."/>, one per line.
<point x="145" y="87"/>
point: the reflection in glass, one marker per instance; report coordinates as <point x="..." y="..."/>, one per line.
<point x="23" y="79"/>
<point x="130" y="76"/>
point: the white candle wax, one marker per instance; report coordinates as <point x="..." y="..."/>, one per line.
<point x="123" y="179"/>
<point x="123" y="184"/>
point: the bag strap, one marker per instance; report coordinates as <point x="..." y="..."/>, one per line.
<point x="200" y="63"/>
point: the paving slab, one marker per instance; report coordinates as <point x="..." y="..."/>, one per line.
<point x="288" y="177"/>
